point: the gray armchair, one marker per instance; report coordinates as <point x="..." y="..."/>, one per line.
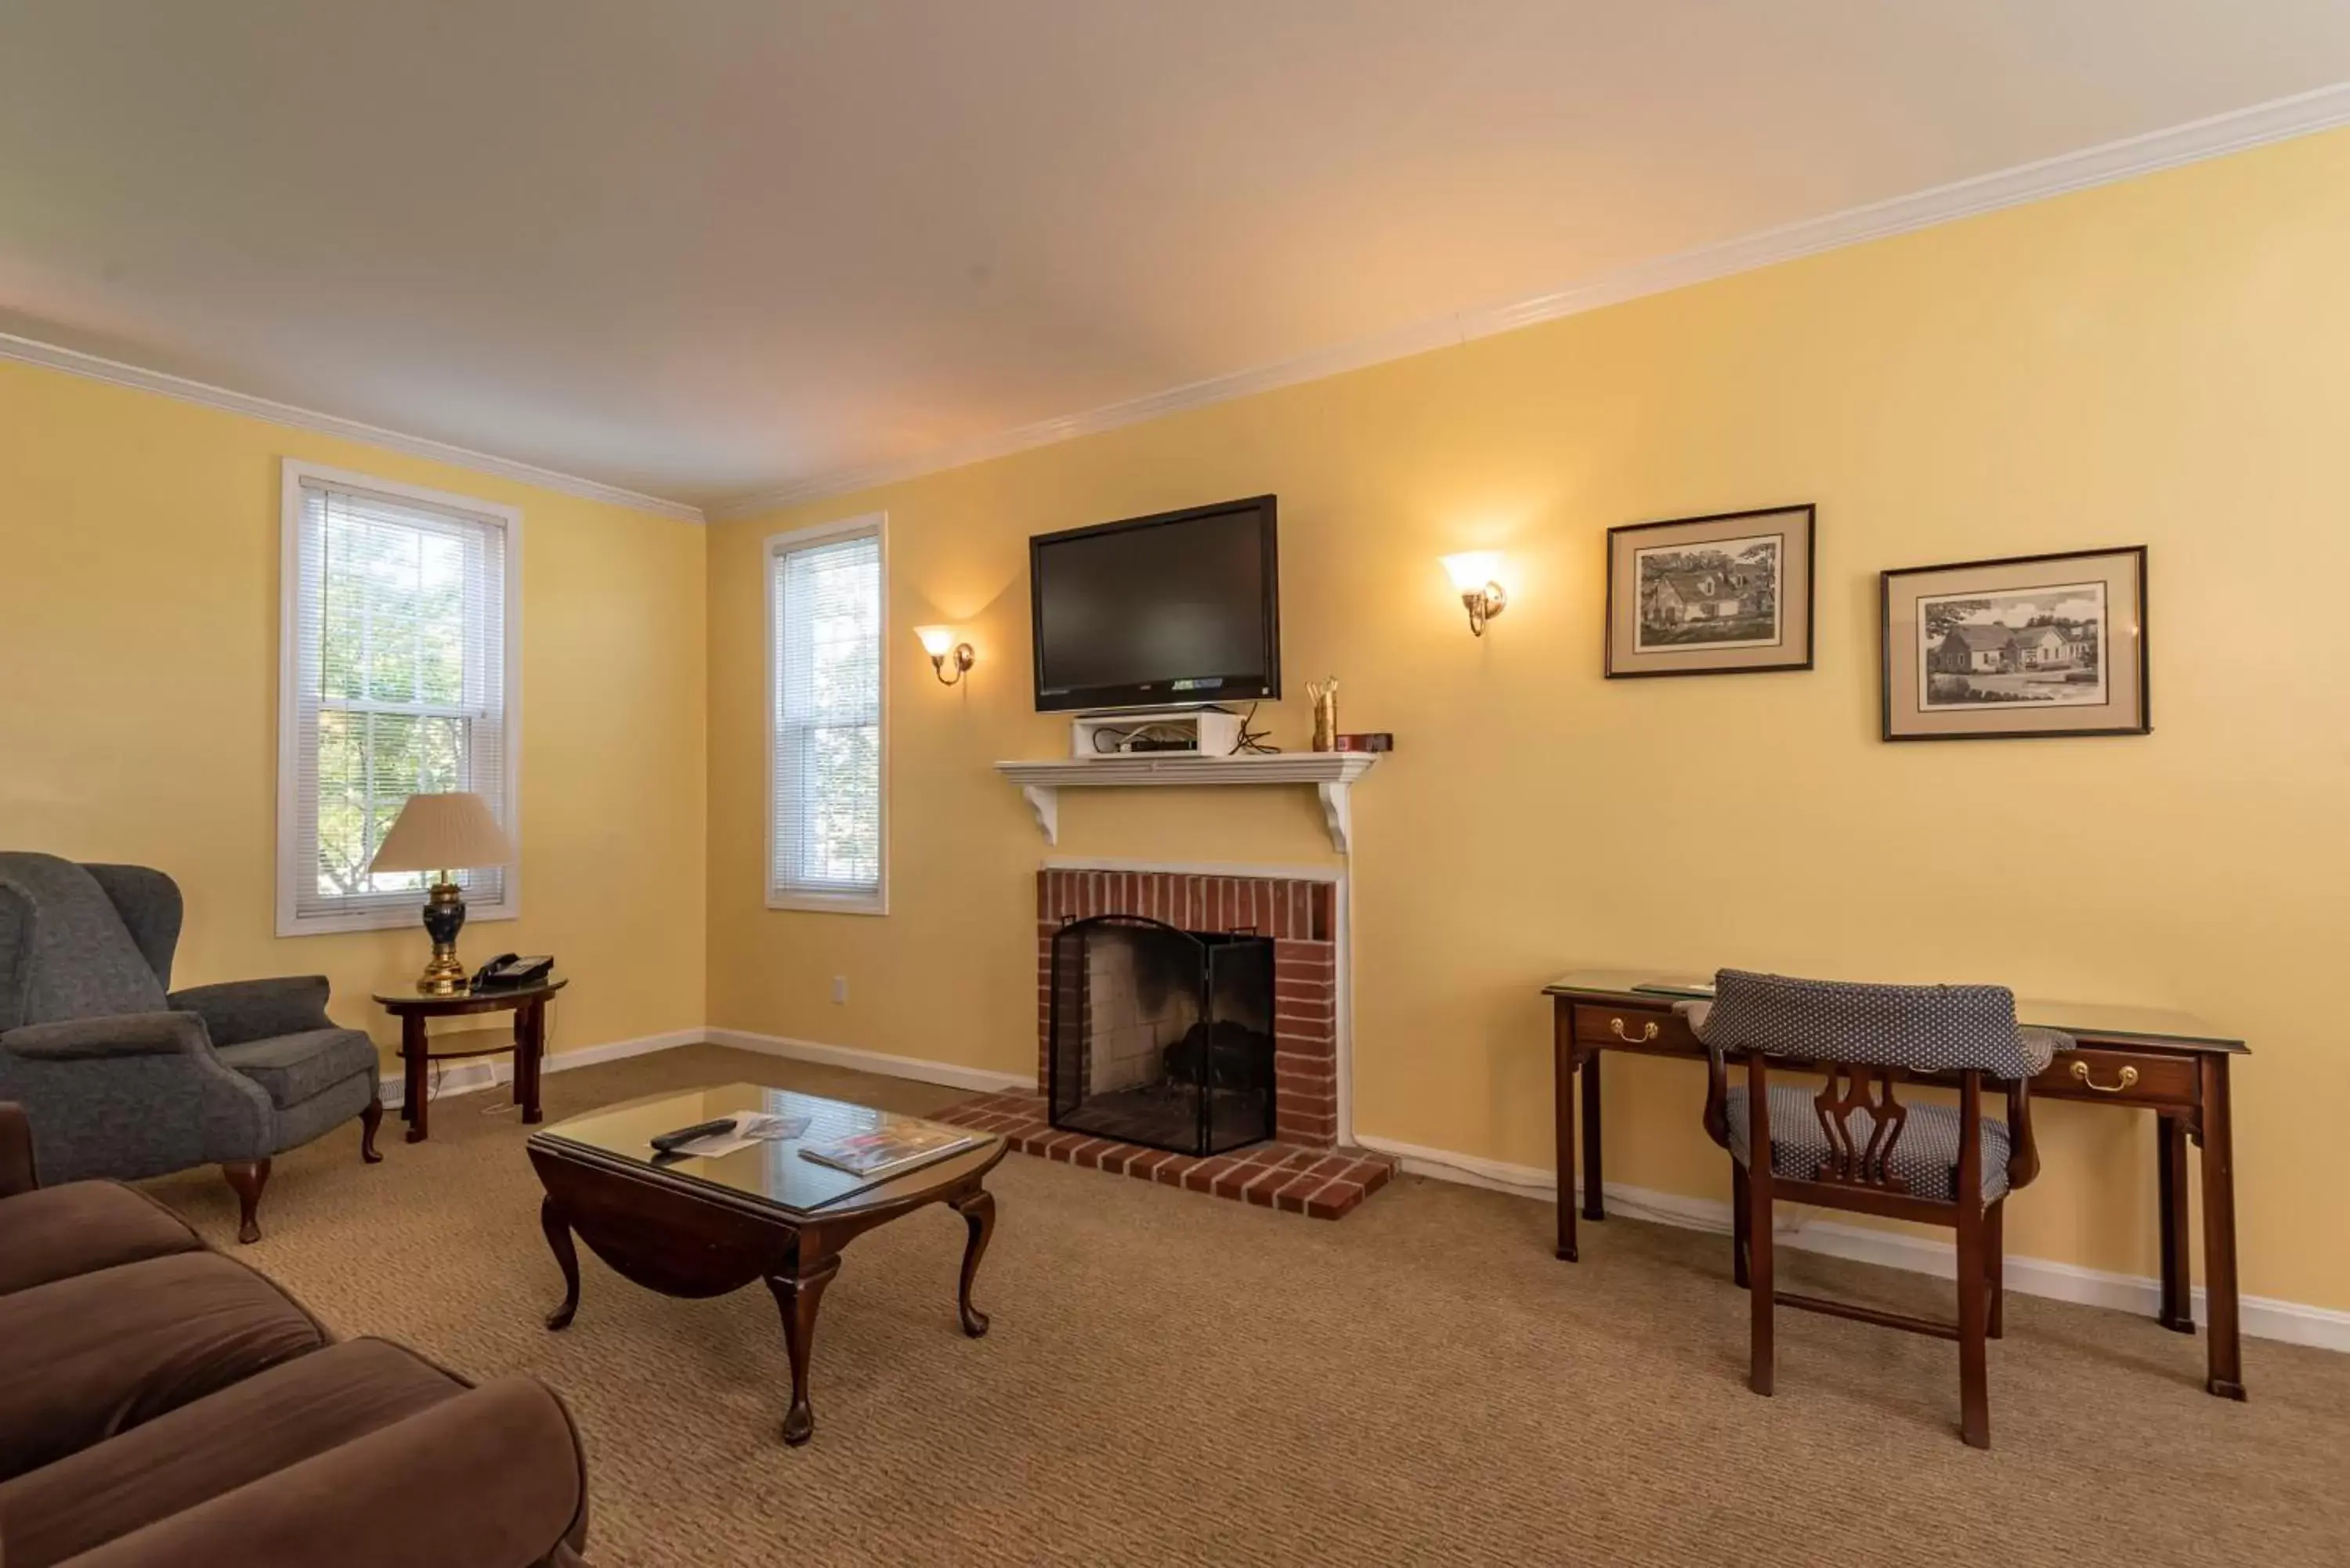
<point x="123" y="1077"/>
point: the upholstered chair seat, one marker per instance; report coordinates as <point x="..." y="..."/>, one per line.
<point x="1924" y="1157"/>
<point x="125" y="1077"/>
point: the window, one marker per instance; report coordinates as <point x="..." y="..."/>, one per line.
<point x="828" y="843"/>
<point x="397" y="676"/>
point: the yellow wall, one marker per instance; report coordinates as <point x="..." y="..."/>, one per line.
<point x="139" y="611"/>
<point x="2164" y="361"/>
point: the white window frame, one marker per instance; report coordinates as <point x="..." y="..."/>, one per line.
<point x="876" y="524"/>
<point x="290" y="620"/>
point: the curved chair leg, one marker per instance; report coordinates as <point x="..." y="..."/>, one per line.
<point x="246" y="1177"/>
<point x="370" y="1119"/>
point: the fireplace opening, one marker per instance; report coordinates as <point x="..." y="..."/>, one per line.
<point x="1161" y="1036"/>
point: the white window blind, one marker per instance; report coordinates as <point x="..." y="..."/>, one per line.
<point x="825" y="839"/>
<point x="397" y="683"/>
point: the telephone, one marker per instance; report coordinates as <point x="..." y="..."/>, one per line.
<point x="507" y="971"/>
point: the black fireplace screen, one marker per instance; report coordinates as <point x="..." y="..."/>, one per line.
<point x="1161" y="1036"/>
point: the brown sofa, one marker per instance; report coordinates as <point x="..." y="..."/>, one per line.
<point x="163" y="1404"/>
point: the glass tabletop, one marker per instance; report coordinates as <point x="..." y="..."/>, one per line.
<point x="2108" y="1020"/>
<point x="772" y="1170"/>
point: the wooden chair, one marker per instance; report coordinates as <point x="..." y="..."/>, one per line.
<point x="1855" y="1145"/>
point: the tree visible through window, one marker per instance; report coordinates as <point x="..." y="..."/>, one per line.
<point x="825" y="618"/>
<point x="399" y="674"/>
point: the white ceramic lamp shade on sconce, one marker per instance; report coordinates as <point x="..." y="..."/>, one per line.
<point x="941" y="643"/>
<point x="1476" y="576"/>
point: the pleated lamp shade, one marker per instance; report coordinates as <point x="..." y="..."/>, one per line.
<point x="451" y="832"/>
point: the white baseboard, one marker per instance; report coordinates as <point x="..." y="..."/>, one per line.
<point x="2292" y="1322"/>
<point x="982" y="1080"/>
<point x="465" y="1077"/>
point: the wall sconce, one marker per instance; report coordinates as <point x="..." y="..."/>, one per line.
<point x="1475" y="573"/>
<point x="939" y="642"/>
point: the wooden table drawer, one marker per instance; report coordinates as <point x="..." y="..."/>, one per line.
<point x="2133" y="1078"/>
<point x="1633" y="1027"/>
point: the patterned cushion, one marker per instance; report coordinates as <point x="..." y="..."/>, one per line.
<point x="1926" y="1154"/>
<point x="83" y="963"/>
<point x="1925" y="1028"/>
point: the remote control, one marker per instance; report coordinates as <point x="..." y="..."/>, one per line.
<point x="670" y="1140"/>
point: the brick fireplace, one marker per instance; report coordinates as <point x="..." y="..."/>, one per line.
<point x="1300" y="917"/>
<point x="1304" y="1169"/>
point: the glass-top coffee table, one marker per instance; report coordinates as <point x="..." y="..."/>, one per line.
<point x="696" y="1226"/>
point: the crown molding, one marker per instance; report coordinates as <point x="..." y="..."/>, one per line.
<point x="73" y="362"/>
<point x="2325" y="109"/>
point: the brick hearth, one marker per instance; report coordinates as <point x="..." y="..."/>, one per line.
<point x="1300" y="917"/>
<point x="1321" y="1182"/>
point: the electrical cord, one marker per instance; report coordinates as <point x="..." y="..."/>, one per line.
<point x="1252" y="741"/>
<point x="1110" y="740"/>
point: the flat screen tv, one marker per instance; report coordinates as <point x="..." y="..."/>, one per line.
<point x="1153" y="612"/>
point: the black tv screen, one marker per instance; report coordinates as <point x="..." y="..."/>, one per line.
<point x="1183" y="606"/>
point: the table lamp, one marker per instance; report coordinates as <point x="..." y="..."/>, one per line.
<point x="442" y="834"/>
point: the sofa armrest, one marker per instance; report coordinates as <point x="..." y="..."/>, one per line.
<point x="500" y="1464"/>
<point x="17" y="1171"/>
<point x="240" y="1010"/>
<point x="125" y="1034"/>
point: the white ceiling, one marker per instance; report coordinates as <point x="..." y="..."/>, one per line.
<point x="709" y="248"/>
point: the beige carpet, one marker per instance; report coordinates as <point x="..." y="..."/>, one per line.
<point x="1175" y="1379"/>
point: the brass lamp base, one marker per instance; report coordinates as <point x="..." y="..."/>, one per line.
<point x="444" y="916"/>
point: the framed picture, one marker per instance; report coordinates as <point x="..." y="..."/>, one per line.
<point x="2032" y="645"/>
<point x="1726" y="595"/>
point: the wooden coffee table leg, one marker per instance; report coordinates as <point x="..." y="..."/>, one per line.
<point x="978" y="1211"/>
<point x="797" y="1297"/>
<point x="566" y="1258"/>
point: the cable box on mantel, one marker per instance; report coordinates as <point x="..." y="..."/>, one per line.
<point x="1191" y="732"/>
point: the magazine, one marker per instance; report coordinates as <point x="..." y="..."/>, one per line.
<point x="899" y="1146"/>
<point x="756" y="1128"/>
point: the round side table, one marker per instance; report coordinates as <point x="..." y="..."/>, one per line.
<point x="527" y="1003"/>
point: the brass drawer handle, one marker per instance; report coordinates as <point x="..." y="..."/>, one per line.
<point x="2128" y="1080"/>
<point x="1647" y="1033"/>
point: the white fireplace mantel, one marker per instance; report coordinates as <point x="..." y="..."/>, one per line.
<point x="1331" y="774"/>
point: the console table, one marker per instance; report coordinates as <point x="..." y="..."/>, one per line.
<point x="2133" y="1058"/>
